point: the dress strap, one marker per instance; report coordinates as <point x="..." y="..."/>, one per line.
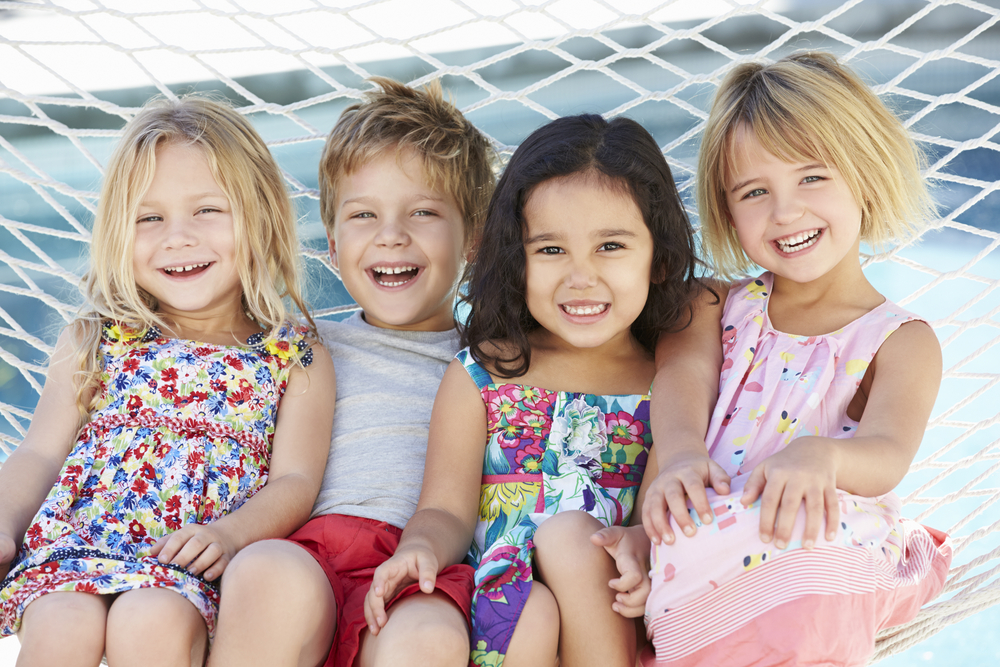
<point x="479" y="374"/>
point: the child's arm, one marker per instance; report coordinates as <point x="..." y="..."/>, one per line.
<point x="441" y="530"/>
<point x="906" y="376"/>
<point x="298" y="456"/>
<point x="688" y="364"/>
<point x="630" y="548"/>
<point x="27" y="476"/>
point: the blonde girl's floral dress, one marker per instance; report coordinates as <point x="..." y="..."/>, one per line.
<point x="182" y="434"/>
<point x="547" y="452"/>
<point x="724" y="597"/>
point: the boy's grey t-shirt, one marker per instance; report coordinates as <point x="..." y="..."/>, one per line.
<point x="386" y="382"/>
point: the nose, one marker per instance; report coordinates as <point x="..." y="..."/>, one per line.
<point x="786" y="208"/>
<point x="392" y="232"/>
<point x="180" y="232"/>
<point x="582" y="274"/>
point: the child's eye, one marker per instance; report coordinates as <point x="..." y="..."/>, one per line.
<point x="755" y="193"/>
<point x="424" y="212"/>
<point x="550" y="250"/>
<point x="611" y="245"/>
<point x="149" y="218"/>
<point x="363" y="214"/>
<point x="208" y="209"/>
<point x="812" y="179"/>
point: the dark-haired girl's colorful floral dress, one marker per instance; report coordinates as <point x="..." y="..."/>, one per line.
<point x="547" y="452"/>
<point x="182" y="434"/>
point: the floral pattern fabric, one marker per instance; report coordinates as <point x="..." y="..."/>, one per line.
<point x="182" y="434"/>
<point x="547" y="452"/>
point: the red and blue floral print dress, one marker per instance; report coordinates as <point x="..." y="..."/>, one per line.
<point x="547" y="452"/>
<point x="182" y="434"/>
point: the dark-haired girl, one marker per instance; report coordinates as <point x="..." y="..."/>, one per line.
<point x="540" y="432"/>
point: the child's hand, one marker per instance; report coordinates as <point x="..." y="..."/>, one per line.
<point x="200" y="549"/>
<point x="404" y="568"/>
<point x="804" y="471"/>
<point x="8" y="549"/>
<point x="630" y="549"/>
<point x="683" y="477"/>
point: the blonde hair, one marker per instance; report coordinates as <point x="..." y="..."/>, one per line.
<point x="264" y="224"/>
<point x="457" y="158"/>
<point x="806" y="107"/>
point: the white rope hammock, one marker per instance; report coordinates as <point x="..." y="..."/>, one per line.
<point x="73" y="71"/>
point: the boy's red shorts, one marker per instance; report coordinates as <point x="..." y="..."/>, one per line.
<point x="349" y="549"/>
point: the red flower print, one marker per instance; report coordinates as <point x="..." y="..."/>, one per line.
<point x="136" y="530"/>
<point x="49" y="568"/>
<point x="140" y="486"/>
<point x="172" y="521"/>
<point x="217" y="385"/>
<point x="140" y="451"/>
<point x="233" y="361"/>
<point x="148" y="471"/>
<point x="173" y="504"/>
<point x="85" y="587"/>
<point x="169" y="374"/>
<point x="196" y="458"/>
<point x="131" y="365"/>
<point x="529" y="459"/>
<point x="623" y="429"/>
<point x="33" y="536"/>
<point x="134" y="404"/>
<point x="199" y="396"/>
<point x="168" y="391"/>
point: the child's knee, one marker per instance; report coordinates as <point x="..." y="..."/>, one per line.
<point x="422" y="630"/>
<point x="274" y="569"/>
<point x="158" y="622"/>
<point x="564" y="540"/>
<point x="536" y="636"/>
<point x="78" y="619"/>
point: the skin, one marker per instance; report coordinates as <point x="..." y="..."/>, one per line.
<point x="818" y="288"/>
<point x="277" y="605"/>
<point x="182" y="221"/>
<point x="587" y="247"/>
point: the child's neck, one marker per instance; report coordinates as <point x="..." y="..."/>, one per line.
<point x="617" y="367"/>
<point x="214" y="329"/>
<point x="821" y="306"/>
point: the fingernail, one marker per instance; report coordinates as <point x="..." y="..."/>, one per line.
<point x="780" y="544"/>
<point x="688" y="530"/>
<point x="706" y="518"/>
<point x="808" y="544"/>
<point x="765" y="538"/>
<point x="655" y="540"/>
<point x="669" y="539"/>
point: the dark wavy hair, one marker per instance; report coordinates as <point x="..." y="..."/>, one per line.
<point x="623" y="155"/>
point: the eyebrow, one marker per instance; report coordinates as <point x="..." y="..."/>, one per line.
<point x="369" y="199"/>
<point x="814" y="165"/>
<point x="601" y="233"/>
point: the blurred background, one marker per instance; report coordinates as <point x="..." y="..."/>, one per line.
<point x="73" y="71"/>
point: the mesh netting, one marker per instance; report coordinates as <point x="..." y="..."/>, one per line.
<point x="74" y="71"/>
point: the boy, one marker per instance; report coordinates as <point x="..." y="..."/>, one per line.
<point x="404" y="184"/>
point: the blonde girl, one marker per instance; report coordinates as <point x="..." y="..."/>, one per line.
<point x="183" y="416"/>
<point x="798" y="553"/>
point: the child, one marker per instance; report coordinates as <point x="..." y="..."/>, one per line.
<point x="825" y="391"/>
<point x="159" y="430"/>
<point x="540" y="430"/>
<point x="404" y="183"/>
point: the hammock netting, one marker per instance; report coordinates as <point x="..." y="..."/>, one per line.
<point x="73" y="71"/>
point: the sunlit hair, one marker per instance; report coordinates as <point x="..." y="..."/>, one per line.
<point x="617" y="154"/>
<point x="264" y="224"/>
<point x="802" y="108"/>
<point x="457" y="159"/>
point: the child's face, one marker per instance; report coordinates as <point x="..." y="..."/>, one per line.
<point x="184" y="252"/>
<point x="588" y="260"/>
<point x="399" y="244"/>
<point x="798" y="220"/>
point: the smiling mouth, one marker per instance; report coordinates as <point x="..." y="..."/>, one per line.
<point x="394" y="276"/>
<point x="799" y="241"/>
<point x="578" y="311"/>
<point x="186" y="270"/>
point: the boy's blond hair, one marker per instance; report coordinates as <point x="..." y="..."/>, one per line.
<point x="264" y="223"/>
<point x="806" y="107"/>
<point x="457" y="158"/>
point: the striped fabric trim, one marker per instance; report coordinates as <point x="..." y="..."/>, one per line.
<point x="820" y="571"/>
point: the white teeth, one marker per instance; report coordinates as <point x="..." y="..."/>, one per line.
<point x="182" y="269"/>
<point x="585" y="310"/>
<point x="799" y="241"/>
<point x="393" y="269"/>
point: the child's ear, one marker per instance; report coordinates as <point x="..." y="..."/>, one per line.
<point x="332" y="249"/>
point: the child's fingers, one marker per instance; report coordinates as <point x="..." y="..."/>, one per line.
<point x="634" y="600"/>
<point x="699" y="501"/>
<point x="167" y="546"/>
<point x="629" y="579"/>
<point x="770" y="501"/>
<point x="427" y="574"/>
<point x="677" y="504"/>
<point x="755" y="485"/>
<point x="374" y="611"/>
<point x="788" y="511"/>
<point x="656" y="519"/>
<point x="207" y="559"/>
<point x="815" y="507"/>
<point x="718" y="478"/>
<point x="832" y="513"/>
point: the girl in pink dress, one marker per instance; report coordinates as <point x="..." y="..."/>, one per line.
<point x="797" y="554"/>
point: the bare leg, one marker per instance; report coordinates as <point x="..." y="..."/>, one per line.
<point x="277" y="609"/>
<point x="423" y="629"/>
<point x="577" y="572"/>
<point x="63" y="629"/>
<point x="153" y="627"/>
<point x="536" y="637"/>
